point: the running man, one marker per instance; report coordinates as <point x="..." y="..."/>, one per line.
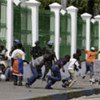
<point x="73" y="66"/>
<point x="90" y="59"/>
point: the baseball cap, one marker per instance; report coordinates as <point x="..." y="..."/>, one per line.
<point x="92" y="48"/>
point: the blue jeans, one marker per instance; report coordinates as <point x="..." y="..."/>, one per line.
<point x="34" y="76"/>
<point x="89" y="67"/>
<point x="8" y="73"/>
<point x="56" y="76"/>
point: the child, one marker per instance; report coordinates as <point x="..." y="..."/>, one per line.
<point x="17" y="65"/>
<point x="73" y="66"/>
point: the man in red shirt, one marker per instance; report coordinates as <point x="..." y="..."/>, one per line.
<point x="90" y="58"/>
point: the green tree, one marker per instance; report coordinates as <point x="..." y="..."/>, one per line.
<point x="97" y="7"/>
<point x="45" y="3"/>
<point x="90" y="6"/>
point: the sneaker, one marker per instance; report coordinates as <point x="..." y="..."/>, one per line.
<point x="72" y="83"/>
<point x="48" y="88"/>
<point x="63" y="85"/>
<point x="92" y="80"/>
<point x="98" y="82"/>
<point x="43" y="79"/>
<point x="63" y="81"/>
<point x="83" y="77"/>
<point x="7" y="80"/>
<point x="27" y="85"/>
<point x="15" y="83"/>
<point x="92" y="83"/>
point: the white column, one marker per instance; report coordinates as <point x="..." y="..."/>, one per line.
<point x="87" y="18"/>
<point x="97" y="18"/>
<point x="35" y="12"/>
<point x="9" y="35"/>
<point x="73" y="12"/>
<point x="55" y="7"/>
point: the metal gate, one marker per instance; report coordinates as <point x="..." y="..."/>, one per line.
<point x="65" y="35"/>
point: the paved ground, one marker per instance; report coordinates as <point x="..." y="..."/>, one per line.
<point x="10" y="92"/>
<point x="37" y="92"/>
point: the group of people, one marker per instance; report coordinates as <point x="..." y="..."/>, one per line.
<point x="46" y="57"/>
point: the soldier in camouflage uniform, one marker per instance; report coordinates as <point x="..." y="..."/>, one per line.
<point x="51" y="59"/>
<point x="36" y="50"/>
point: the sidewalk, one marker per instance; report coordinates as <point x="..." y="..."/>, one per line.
<point x="37" y="91"/>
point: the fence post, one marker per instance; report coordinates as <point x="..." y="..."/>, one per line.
<point x="55" y="7"/>
<point x="97" y="18"/>
<point x="73" y="12"/>
<point x="34" y="5"/>
<point x="9" y="33"/>
<point x="87" y="18"/>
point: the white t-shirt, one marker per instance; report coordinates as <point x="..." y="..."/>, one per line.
<point x="18" y="53"/>
<point x="38" y="61"/>
<point x="72" y="63"/>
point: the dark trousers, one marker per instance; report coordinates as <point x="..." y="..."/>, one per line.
<point x="36" y="74"/>
<point x="54" y="77"/>
<point x="17" y="80"/>
<point x="90" y="67"/>
<point x="47" y="68"/>
<point x="8" y="74"/>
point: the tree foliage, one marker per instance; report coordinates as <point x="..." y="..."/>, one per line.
<point x="45" y="3"/>
<point x="90" y="6"/>
<point x="97" y="7"/>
